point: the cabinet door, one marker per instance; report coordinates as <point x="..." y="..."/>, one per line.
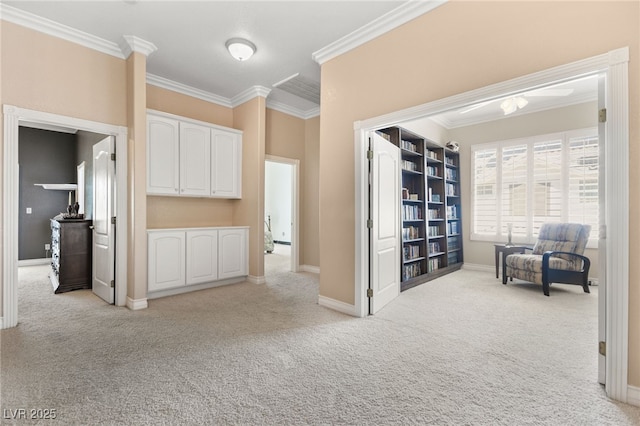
<point x="195" y="160"/>
<point x="163" y="155"/>
<point x="232" y="254"/>
<point x="226" y="164"/>
<point x="166" y="260"/>
<point x="202" y="256"/>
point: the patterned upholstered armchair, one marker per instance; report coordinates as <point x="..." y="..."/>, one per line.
<point x="557" y="258"/>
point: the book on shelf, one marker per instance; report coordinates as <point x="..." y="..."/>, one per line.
<point x="411" y="271"/>
<point x="432" y="171"/>
<point x="433" y="155"/>
<point x="451" y="174"/>
<point x="411" y="252"/>
<point x="452" y="212"/>
<point x="408" y="146"/>
<point x="410" y="233"/>
<point x="434" y="264"/>
<point x="450" y="190"/>
<point x="434" y="214"/>
<point x="434" y="247"/>
<point x="433" y="231"/>
<point x="450" y="161"/>
<point x="411" y="212"/>
<point x="409" y="165"/>
<point x="452" y="228"/>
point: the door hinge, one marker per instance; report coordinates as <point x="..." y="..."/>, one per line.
<point x="113" y="220"/>
<point x="369" y="292"/>
<point x="370" y="223"/>
<point x="369" y="155"/>
<point x="602" y="348"/>
<point x="113" y="156"/>
<point x="112" y="283"/>
<point x="602" y="115"/>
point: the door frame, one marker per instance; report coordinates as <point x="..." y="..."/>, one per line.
<point x="295" y="206"/>
<point x="614" y="64"/>
<point x="13" y="117"/>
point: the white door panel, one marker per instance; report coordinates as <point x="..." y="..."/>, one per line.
<point x="385" y="213"/>
<point x="103" y="230"/>
<point x="202" y="256"/>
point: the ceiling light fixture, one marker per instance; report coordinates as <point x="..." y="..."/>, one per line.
<point x="240" y="48"/>
<point x="511" y="105"/>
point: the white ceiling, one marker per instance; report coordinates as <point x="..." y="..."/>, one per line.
<point x="576" y="91"/>
<point x="190" y="37"/>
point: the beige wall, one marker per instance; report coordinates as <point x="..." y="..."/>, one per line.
<point x="540" y="123"/>
<point x="250" y="118"/>
<point x="296" y="138"/>
<point x="182" y="212"/>
<point x="48" y="74"/>
<point x="310" y="209"/>
<point x="460" y="46"/>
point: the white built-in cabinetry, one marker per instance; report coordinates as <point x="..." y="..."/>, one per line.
<point x="186" y="259"/>
<point x="192" y="158"/>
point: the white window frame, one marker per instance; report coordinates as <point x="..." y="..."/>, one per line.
<point x="530" y="238"/>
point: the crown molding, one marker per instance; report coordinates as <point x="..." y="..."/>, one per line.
<point x="387" y="22"/>
<point x="132" y="44"/>
<point x="165" y="83"/>
<point x="296" y="112"/>
<point x="52" y="28"/>
<point x="250" y="93"/>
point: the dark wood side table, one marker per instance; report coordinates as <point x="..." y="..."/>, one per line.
<point x="502" y="249"/>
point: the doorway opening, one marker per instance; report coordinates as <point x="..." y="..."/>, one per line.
<point x="14" y="118"/>
<point x="281" y="209"/>
<point x="614" y="272"/>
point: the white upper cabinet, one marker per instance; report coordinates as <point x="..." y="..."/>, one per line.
<point x="226" y="164"/>
<point x="195" y="160"/>
<point x="163" y="151"/>
<point x="191" y="158"/>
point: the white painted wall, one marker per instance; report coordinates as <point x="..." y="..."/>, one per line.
<point x="277" y="199"/>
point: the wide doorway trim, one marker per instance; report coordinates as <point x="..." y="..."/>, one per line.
<point x="614" y="64"/>
<point x="13" y="117"/>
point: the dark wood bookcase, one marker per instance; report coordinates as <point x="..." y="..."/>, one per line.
<point x="431" y="208"/>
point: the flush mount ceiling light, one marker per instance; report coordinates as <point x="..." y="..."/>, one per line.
<point x="240" y="48"/>
<point x="511" y="105"/>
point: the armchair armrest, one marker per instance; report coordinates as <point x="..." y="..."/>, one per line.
<point x="586" y="263"/>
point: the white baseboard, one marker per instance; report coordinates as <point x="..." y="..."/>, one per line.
<point x="137" y="304"/>
<point x="256" y="280"/>
<point x="310" y="268"/>
<point x="337" y="305"/>
<point x="34" y="262"/>
<point x="633" y="395"/>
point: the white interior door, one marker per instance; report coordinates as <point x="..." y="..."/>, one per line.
<point x="385" y="234"/>
<point x="602" y="241"/>
<point x="103" y="229"/>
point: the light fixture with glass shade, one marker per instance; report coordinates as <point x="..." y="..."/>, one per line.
<point x="511" y="105"/>
<point x="240" y="48"/>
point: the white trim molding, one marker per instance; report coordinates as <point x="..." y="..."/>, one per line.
<point x="337" y="305"/>
<point x="132" y="44"/>
<point x="614" y="65"/>
<point x="13" y="117"/>
<point x="56" y="29"/>
<point x="137" y="304"/>
<point x="34" y="262"/>
<point x="165" y="83"/>
<point x="250" y="93"/>
<point x="387" y="22"/>
<point x="310" y="268"/>
<point x="254" y="279"/>
<point x="296" y="112"/>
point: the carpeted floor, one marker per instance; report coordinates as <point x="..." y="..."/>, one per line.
<point x="460" y="350"/>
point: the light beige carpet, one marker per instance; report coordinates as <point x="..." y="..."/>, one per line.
<point x="461" y="350"/>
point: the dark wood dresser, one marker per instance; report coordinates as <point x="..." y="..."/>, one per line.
<point x="70" y="254"/>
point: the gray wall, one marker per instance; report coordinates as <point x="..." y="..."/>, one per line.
<point x="44" y="157"/>
<point x="49" y="157"/>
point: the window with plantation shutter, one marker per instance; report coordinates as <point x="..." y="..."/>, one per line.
<point x="527" y="182"/>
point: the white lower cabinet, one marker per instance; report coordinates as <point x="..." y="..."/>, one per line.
<point x="181" y="260"/>
<point x="166" y="251"/>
